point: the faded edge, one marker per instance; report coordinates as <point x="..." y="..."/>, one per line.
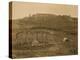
<point x="10" y="29"/>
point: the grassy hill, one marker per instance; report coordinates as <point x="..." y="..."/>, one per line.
<point x="54" y="22"/>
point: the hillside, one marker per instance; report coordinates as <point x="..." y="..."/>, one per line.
<point x="53" y="22"/>
<point x="44" y="35"/>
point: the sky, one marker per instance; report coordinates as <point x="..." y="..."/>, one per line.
<point x="24" y="9"/>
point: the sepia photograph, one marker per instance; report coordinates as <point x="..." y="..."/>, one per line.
<point x="42" y="29"/>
